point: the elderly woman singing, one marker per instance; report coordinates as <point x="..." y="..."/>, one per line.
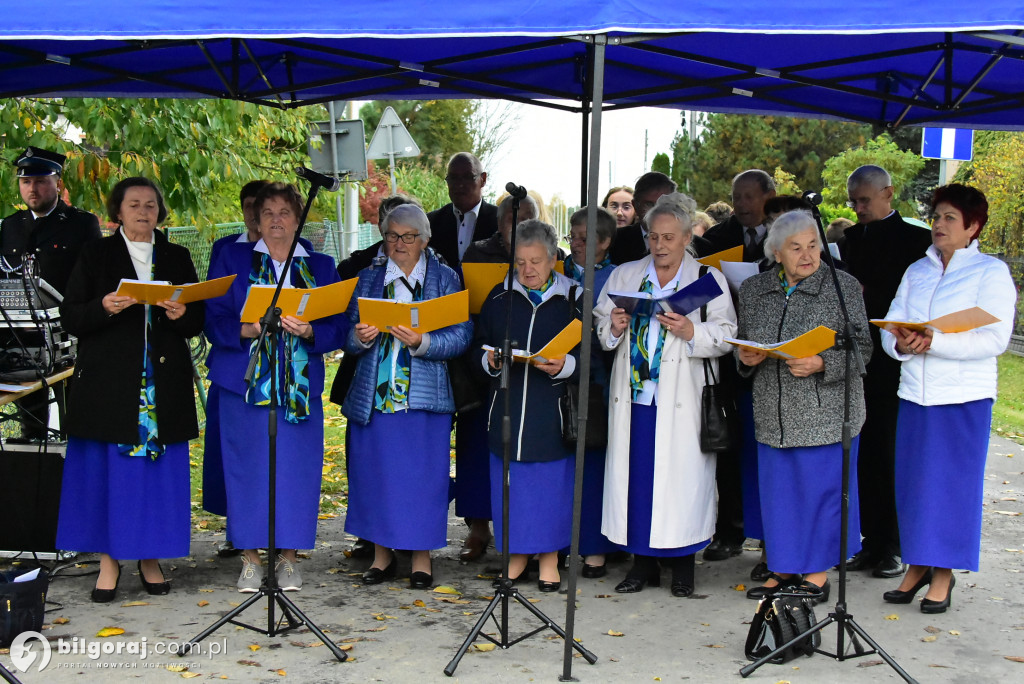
<point x="659" y="490"/>
<point x="125" y="490"/>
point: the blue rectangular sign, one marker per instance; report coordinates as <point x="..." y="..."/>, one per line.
<point x="947" y="143"/>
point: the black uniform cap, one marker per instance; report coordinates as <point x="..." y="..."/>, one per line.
<point x="37" y="162"/>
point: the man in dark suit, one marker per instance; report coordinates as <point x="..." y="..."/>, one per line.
<point x="54" y="233"/>
<point x="630" y="242"/>
<point x="751" y="189"/>
<point x="467" y="218"/>
<point x="877" y="250"/>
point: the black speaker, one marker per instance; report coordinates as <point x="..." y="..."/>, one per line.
<point x="30" y="480"/>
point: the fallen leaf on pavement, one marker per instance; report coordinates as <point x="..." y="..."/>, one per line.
<point x="134" y="604"/>
<point x="203" y="604"/>
<point x="190" y="675"/>
<point x="870" y="663"/>
<point x="250" y="663"/>
<point x="177" y="668"/>
<point x="61" y="621"/>
<point x="932" y="630"/>
<point x="612" y="632"/>
<point x="929" y="638"/>
<point x="740" y="587"/>
<point x="109" y="632"/>
<point x="954" y="632"/>
<point x="444" y="589"/>
<point x="254" y="647"/>
<point x="419" y="603"/>
<point x="483" y="647"/>
<point x="894" y="616"/>
<point x="1016" y="659"/>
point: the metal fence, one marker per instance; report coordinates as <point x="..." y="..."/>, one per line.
<point x="1016" y="265"/>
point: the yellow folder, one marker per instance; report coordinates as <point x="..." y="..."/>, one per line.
<point x="802" y="347"/>
<point x="715" y="260"/>
<point x="152" y="292"/>
<point x="558" y="348"/>
<point x="432" y="314"/>
<point x="304" y="304"/>
<point x="480" y="279"/>
<point x="959" y="321"/>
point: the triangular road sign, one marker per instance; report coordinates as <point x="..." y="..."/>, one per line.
<point x="391" y="137"/>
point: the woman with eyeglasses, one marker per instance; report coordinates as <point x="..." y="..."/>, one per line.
<point x="400" y="406"/>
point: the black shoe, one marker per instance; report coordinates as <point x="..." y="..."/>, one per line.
<point x="814" y="592"/>
<point x="720" y="550"/>
<point x="227" y="550"/>
<point x="548" y="587"/>
<point x="782" y="584"/>
<point x="107" y="595"/>
<point x="930" y="606"/>
<point x="889" y="565"/>
<point x="421" y="580"/>
<point x="636" y="580"/>
<point x="524" y="576"/>
<point x="681" y="588"/>
<point x="862" y="560"/>
<point x="154" y="588"/>
<point x="376" y="575"/>
<point x="760" y="572"/>
<point x="594" y="571"/>
<point x="897" y="596"/>
<point x="362" y="548"/>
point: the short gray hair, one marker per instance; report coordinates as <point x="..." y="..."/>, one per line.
<point x="786" y="226"/>
<point x="605" y="222"/>
<point x="679" y="206"/>
<point x="873" y="176"/>
<point x="763" y="179"/>
<point x="477" y="167"/>
<point x="408" y="215"/>
<point x="533" y="231"/>
<point x="505" y="207"/>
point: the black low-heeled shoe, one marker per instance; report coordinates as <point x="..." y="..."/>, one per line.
<point x="897" y="596"/>
<point x="421" y="580"/>
<point x="154" y="588"/>
<point x="634" y="584"/>
<point x="376" y="575"/>
<point x="548" y="587"/>
<point x="782" y="584"/>
<point x="930" y="606"/>
<point x="682" y="588"/>
<point x="594" y="571"/>
<point x="760" y="572"/>
<point x="107" y="595"/>
<point x="814" y="592"/>
<point x="524" y="576"/>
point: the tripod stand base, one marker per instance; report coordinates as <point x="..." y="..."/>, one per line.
<point x="501" y="596"/>
<point x="8" y="676"/>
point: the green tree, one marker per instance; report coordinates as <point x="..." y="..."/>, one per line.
<point x="199" y="151"/>
<point x="997" y="171"/>
<point x="662" y="164"/>
<point x="730" y="143"/>
<point x="439" y="127"/>
<point x="902" y="165"/>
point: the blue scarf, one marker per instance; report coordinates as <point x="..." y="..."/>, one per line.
<point x="536" y="297"/>
<point x="293" y="388"/>
<point x="393" y="388"/>
<point x="149" y="443"/>
<point x="643" y="363"/>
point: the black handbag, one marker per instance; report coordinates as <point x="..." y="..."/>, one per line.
<point x="778" y="620"/>
<point x="718" y="426"/>
<point x="21" y="605"/>
<point x="568" y="409"/>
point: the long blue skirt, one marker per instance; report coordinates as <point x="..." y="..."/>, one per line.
<point x="801" y="497"/>
<point x="215" y="497"/>
<point x="125" y="506"/>
<point x="540" y="504"/>
<point x="940" y="474"/>
<point x="472" y="466"/>
<point x="398" y="474"/>
<point x="639" y="510"/>
<point x="592" y="542"/>
<point x="753" y="527"/>
<point x="300" y="455"/>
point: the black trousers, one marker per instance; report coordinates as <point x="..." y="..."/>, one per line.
<point x="876" y="468"/>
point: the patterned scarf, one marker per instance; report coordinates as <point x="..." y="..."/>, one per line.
<point x="643" y="365"/>
<point x="570" y="268"/>
<point x="149" y="443"/>
<point x="536" y="297"/>
<point x="786" y="287"/>
<point x="393" y="387"/>
<point x="293" y="388"/>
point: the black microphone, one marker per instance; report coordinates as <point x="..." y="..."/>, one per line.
<point x="517" y="191"/>
<point x="812" y="197"/>
<point x="328" y="183"/>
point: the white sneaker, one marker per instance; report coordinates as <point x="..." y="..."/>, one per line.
<point x="251" y="578"/>
<point x="288" y="576"/>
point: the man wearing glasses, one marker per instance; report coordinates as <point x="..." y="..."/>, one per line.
<point x="877" y="250"/>
<point x="467" y="218"/>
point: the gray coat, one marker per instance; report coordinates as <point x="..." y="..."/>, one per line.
<point x="791" y="411"/>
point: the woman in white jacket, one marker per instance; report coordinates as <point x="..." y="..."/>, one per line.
<point x="947" y="388"/>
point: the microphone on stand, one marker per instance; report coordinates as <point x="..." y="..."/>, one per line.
<point x="517" y="191"/>
<point x="328" y="183"/>
<point x="812" y="197"/>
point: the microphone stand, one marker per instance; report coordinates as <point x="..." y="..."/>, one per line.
<point x="270" y="326"/>
<point x="506" y="589"/>
<point x="847" y="625"/>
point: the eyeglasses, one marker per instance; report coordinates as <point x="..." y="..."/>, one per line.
<point x="570" y="238"/>
<point x="407" y="238"/>
<point x="453" y="179"/>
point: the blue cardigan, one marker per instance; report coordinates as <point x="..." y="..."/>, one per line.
<point x="429" y="387"/>
<point x="229" y="354"/>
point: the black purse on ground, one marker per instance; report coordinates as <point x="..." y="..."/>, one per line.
<point x="21" y="605"/>
<point x="718" y="425"/>
<point x="778" y="620"/>
<point x="569" y="409"/>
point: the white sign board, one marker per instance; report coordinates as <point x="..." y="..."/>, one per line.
<point x="391" y="139"/>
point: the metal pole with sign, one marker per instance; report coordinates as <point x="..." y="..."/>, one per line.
<point x="391" y="139"/>
<point x="947" y="144"/>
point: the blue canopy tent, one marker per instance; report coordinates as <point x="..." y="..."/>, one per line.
<point x="918" y="62"/>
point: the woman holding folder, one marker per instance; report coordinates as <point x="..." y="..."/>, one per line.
<point x="799" y="407"/>
<point x="947" y="387"/>
<point x="299" y="369"/>
<point x="659" y="488"/>
<point x="125" y="491"/>
<point x="400" y="405"/>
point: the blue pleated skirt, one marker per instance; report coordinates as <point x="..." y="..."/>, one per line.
<point x="215" y="497"/>
<point x="540" y="504"/>
<point x="753" y="527"/>
<point x="801" y="496"/>
<point x="643" y="422"/>
<point x="940" y="473"/>
<point x="472" y="486"/>
<point x="125" y="506"/>
<point x="398" y="476"/>
<point x="245" y="448"/>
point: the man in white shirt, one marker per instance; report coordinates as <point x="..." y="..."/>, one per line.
<point x="467" y="218"/>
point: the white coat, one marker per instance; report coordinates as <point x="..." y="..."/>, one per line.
<point x="958" y="367"/>
<point x="684" y="477"/>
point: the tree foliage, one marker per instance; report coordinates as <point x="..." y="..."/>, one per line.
<point x="730" y="143"/>
<point x="998" y="172"/>
<point x="439" y="127"/>
<point x="200" y="152"/>
<point x="662" y="164"/>
<point x="902" y="165"/>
